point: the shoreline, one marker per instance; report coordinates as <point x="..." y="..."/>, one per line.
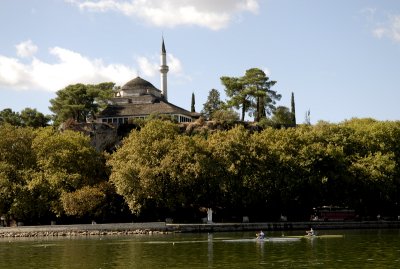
<point x="149" y="228"/>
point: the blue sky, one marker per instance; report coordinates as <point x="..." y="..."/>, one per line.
<point x="340" y="58"/>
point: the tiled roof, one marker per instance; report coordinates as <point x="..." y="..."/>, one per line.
<point x="143" y="109"/>
<point x="141" y="99"/>
<point x="138" y="84"/>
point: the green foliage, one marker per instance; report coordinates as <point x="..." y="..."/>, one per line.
<point x="80" y="102"/>
<point x="226" y="149"/>
<point x="16" y="164"/>
<point x="228" y="116"/>
<point x="293" y="109"/>
<point x="9" y="116"/>
<point x="67" y="159"/>
<point x="282" y="117"/>
<point x="28" y="117"/>
<point x="212" y="104"/>
<point x="136" y="167"/>
<point x="33" y="118"/>
<point x="287" y="171"/>
<point x="159" y="170"/>
<point x="37" y="165"/>
<point x="192" y="106"/>
<point x="252" y="93"/>
<point x="239" y="96"/>
<point x="81" y="202"/>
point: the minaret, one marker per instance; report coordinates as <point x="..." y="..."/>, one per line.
<point x="164" y="70"/>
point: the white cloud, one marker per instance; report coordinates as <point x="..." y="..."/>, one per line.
<point x="150" y="67"/>
<point x="213" y="14"/>
<point x="71" y="67"/>
<point x="26" y="49"/>
<point x="175" y="65"/>
<point x="13" y="73"/>
<point x="389" y="29"/>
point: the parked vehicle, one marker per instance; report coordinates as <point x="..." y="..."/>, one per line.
<point x="333" y="213"/>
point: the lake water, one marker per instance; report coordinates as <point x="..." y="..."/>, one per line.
<point x="356" y="249"/>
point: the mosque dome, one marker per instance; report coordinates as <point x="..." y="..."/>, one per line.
<point x="138" y="84"/>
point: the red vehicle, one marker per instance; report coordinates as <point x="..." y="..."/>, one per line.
<point x="333" y="213"/>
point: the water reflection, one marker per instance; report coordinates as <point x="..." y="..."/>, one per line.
<point x="367" y="249"/>
<point x="210" y="250"/>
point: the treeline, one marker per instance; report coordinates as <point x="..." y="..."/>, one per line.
<point x="159" y="172"/>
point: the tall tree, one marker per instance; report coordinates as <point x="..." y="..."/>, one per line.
<point x="259" y="85"/>
<point x="212" y="104"/>
<point x="80" y="101"/>
<point x="240" y="97"/>
<point x="193" y="109"/>
<point x="293" y="110"/>
<point x="251" y="92"/>
<point x="307" y="119"/>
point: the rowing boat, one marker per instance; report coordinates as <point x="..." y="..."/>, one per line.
<point x="317" y="236"/>
<point x="266" y="239"/>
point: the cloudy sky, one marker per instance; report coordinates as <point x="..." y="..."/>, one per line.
<point x="340" y="58"/>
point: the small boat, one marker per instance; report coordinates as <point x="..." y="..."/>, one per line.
<point x="283" y="239"/>
<point x="317" y="236"/>
<point x="265" y="239"/>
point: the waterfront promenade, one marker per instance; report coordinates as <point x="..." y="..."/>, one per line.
<point x="163" y="227"/>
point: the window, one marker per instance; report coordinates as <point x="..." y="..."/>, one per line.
<point x="184" y="119"/>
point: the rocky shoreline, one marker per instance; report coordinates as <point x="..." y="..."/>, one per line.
<point x="152" y="228"/>
<point x="85" y="230"/>
<point x="78" y="233"/>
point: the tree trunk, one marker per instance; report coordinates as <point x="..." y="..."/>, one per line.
<point x="243" y="111"/>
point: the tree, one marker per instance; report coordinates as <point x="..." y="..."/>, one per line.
<point x="225" y="116"/>
<point x="33" y="118"/>
<point x="84" y="201"/>
<point x="136" y="167"/>
<point x="80" y="102"/>
<point x="212" y="104"/>
<point x="239" y="96"/>
<point x="251" y="92"/>
<point x="307" y="118"/>
<point x="293" y="110"/>
<point x="9" y="116"/>
<point x="282" y="116"/>
<point x="193" y="109"/>
<point x="17" y="161"/>
<point x="66" y="163"/>
<point x="264" y="99"/>
<point x="234" y="167"/>
<point x="28" y="117"/>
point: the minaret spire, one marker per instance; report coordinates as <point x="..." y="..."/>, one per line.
<point x="164" y="70"/>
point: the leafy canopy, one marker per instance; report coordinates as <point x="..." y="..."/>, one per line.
<point x="80" y="102"/>
<point x="252" y="93"/>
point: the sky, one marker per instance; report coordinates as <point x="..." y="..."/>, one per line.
<point x="341" y="58"/>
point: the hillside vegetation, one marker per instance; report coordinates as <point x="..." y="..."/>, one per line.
<point x="165" y="170"/>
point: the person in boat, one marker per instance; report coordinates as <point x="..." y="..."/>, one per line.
<point x="311" y="232"/>
<point x="260" y="235"/>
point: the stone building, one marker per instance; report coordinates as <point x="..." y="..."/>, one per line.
<point x="138" y="98"/>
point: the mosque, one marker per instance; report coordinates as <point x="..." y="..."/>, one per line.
<point x="138" y="99"/>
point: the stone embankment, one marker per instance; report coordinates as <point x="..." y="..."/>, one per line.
<point x="150" y="228"/>
<point x="84" y="230"/>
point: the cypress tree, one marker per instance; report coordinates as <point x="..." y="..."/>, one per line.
<point x="193" y="109"/>
<point x="293" y="110"/>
